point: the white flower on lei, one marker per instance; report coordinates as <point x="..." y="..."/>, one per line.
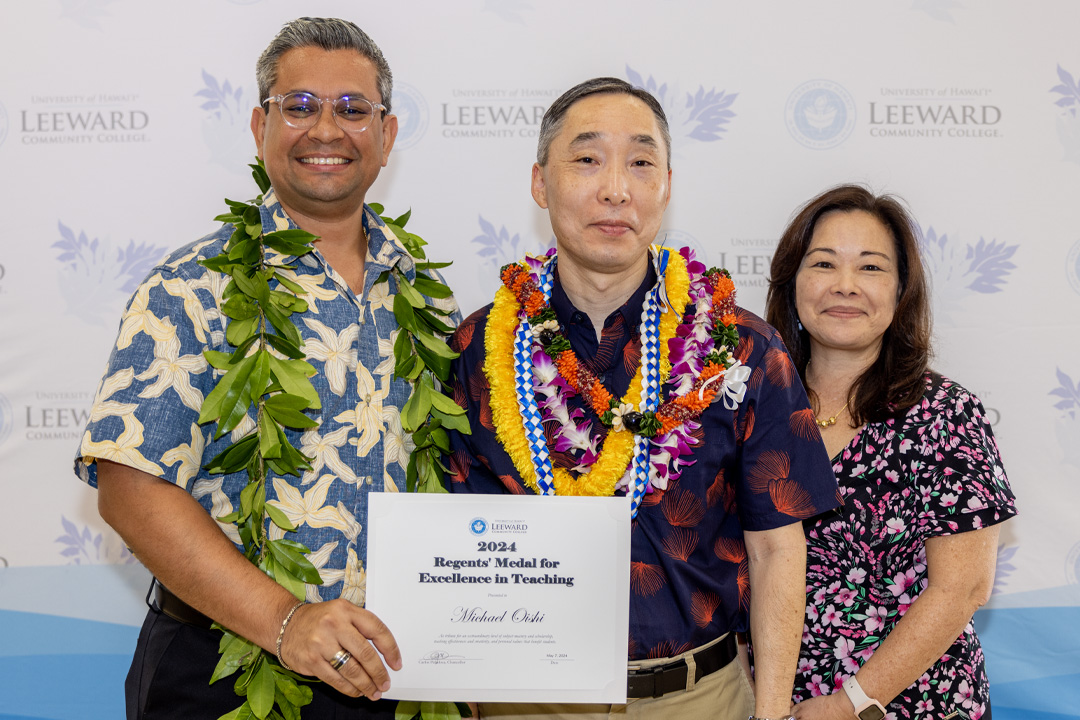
<point x="552" y="325"/>
<point x="617" y="415"/>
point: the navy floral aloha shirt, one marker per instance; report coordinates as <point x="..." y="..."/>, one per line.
<point x="757" y="467"/>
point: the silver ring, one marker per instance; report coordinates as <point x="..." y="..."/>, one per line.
<point x="340" y="658"/>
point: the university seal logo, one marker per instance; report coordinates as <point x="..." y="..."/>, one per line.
<point x="1072" y="266"/>
<point x="820" y="114"/>
<point x="7" y="419"/>
<point x="478" y="526"/>
<point x="1072" y="565"/>
<point x="412" y="113"/>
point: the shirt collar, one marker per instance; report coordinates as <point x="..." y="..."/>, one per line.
<point x="384" y="251"/>
<point x="631" y="309"/>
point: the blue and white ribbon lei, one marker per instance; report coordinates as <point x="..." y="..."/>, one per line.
<point x="649" y="330"/>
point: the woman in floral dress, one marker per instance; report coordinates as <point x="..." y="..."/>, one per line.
<point x="894" y="575"/>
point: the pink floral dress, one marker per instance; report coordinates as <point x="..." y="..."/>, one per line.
<point x="934" y="471"/>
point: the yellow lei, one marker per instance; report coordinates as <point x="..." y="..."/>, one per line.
<point x="618" y="448"/>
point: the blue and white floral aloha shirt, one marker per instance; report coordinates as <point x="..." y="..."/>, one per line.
<point x="147" y="406"/>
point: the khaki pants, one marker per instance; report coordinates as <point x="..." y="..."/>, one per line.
<point x="723" y="695"/>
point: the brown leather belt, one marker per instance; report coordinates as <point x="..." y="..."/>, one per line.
<point x="663" y="679"/>
<point x="177" y="609"/>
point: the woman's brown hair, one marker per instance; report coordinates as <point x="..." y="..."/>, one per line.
<point x="894" y="382"/>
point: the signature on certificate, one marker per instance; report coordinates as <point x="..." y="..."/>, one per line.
<point x="439" y="657"/>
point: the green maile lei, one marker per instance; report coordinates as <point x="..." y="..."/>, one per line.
<point x="267" y="371"/>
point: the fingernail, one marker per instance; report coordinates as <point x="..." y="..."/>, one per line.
<point x="385" y="686"/>
<point x="376" y="695"/>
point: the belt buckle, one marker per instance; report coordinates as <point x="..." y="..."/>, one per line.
<point x="657" y="674"/>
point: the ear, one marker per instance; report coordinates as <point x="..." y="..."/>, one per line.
<point x="389" y="130"/>
<point x="539" y="186"/>
<point x="258" y="128"/>
<point x="667" y="196"/>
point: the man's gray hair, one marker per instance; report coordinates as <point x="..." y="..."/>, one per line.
<point x="556" y="114"/>
<point x="328" y="34"/>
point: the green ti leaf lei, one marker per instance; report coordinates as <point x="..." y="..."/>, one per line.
<point x="277" y="385"/>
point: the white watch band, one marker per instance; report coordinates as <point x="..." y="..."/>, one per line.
<point x="866" y="708"/>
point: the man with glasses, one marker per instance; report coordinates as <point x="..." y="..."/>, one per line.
<point x="323" y="131"/>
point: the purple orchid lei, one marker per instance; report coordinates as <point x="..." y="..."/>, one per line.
<point x="576" y="435"/>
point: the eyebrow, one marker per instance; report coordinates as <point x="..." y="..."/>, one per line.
<point x="357" y="94"/>
<point x="587" y="137"/>
<point x="864" y="253"/>
<point x="584" y="139"/>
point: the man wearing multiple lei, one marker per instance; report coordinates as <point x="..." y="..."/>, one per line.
<point x="613" y="366"/>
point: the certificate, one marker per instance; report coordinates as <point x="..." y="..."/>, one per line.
<point x="502" y="598"/>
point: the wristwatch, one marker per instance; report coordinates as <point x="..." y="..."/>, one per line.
<point x="866" y="708"/>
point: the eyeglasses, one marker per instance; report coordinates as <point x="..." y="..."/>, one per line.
<point x="301" y="110"/>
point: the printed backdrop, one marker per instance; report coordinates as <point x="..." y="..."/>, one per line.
<point x="123" y="124"/>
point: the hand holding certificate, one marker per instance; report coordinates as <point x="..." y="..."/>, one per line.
<point x="503" y="598"/>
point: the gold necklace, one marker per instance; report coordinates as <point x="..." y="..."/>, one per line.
<point x="829" y="422"/>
